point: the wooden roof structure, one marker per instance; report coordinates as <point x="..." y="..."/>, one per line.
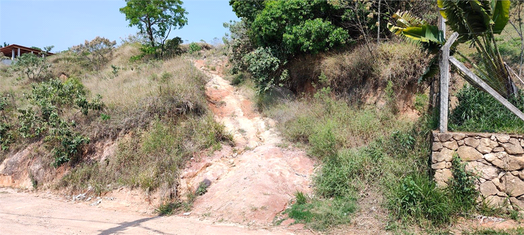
<point x="8" y="50"/>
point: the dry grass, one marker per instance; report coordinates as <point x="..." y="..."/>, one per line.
<point x="360" y="71"/>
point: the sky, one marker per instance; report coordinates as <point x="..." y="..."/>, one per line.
<point x="66" y="23"/>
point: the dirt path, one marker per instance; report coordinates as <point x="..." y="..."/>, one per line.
<point x="24" y="213"/>
<point x="256" y="179"/>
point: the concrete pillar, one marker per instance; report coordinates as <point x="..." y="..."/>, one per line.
<point x="13" y="54"/>
<point x="18" y="52"/>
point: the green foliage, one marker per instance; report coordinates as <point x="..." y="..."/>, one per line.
<point x="463" y="186"/>
<point x="6" y="132"/>
<point x="322" y="214"/>
<point x="417" y="30"/>
<point x="168" y="208"/>
<point x="323" y="143"/>
<point x="155" y="18"/>
<point x="95" y="53"/>
<point x="264" y="65"/>
<point x="314" y="36"/>
<point x="247" y="9"/>
<point x="51" y="99"/>
<point x="477" y="111"/>
<point x="35" y="68"/>
<point x="418" y="198"/>
<point x="194" y="47"/>
<point x="298" y="25"/>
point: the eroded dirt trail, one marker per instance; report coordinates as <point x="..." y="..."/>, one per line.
<point x="253" y="181"/>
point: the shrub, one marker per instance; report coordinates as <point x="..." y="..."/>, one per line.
<point x="194" y="47"/>
<point x="35" y="68"/>
<point x="51" y="99"/>
<point x="264" y="65"/>
<point x="96" y="52"/>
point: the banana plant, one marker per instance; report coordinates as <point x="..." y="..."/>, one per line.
<point x="477" y="22"/>
<point x="419" y="31"/>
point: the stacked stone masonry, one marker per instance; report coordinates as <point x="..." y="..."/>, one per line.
<point x="497" y="160"/>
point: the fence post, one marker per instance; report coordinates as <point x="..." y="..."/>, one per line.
<point x="444" y="83"/>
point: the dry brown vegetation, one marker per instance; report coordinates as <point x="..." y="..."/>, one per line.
<point x="154" y="117"/>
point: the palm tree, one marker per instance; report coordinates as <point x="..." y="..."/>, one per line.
<point x="476" y="21"/>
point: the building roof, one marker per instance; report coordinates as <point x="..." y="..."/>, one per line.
<point x="8" y="50"/>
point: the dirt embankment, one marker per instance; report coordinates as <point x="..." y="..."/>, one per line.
<point x="251" y="184"/>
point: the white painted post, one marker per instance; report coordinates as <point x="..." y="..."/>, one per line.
<point x="444" y="83"/>
<point x="13" y="54"/>
<point x="18" y="52"/>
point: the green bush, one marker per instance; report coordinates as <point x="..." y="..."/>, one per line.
<point x="51" y="100"/>
<point x="194" y="47"/>
<point x="418" y="198"/>
<point x="265" y="66"/>
<point x="478" y="111"/>
<point x="35" y="68"/>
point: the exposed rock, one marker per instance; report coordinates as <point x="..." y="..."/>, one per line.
<point x="514" y="185"/>
<point x="472" y="142"/>
<point x="497" y="159"/>
<point x="444" y="155"/>
<point x="445" y="137"/>
<point x="503" y="138"/>
<point x="513" y="147"/>
<point x="460" y="142"/>
<point x="514" y="163"/>
<point x="484" y="171"/>
<point x="517" y="203"/>
<point x="486" y="145"/>
<point x="522" y="142"/>
<point x="495" y="201"/>
<point x="502" y="194"/>
<point x="442" y="176"/>
<point x="448" y="165"/>
<point x="488" y="189"/>
<point x="437" y="146"/>
<point x="435" y="136"/>
<point x="459" y="136"/>
<point x="521" y="175"/>
<point x="451" y="145"/>
<point x="484" y="135"/>
<point x="499" y="184"/>
<point x="468" y="153"/>
<point x="498" y="149"/>
<point x="439" y="165"/>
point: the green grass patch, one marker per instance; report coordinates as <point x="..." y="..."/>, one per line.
<point x="478" y="111"/>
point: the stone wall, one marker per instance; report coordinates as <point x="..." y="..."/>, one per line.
<point x="498" y="160"/>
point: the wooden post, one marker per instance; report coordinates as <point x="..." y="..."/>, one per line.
<point x="444" y="83"/>
<point x="475" y="79"/>
<point x="378" y="30"/>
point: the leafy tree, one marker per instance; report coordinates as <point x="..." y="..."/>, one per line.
<point x="247" y="9"/>
<point x="299" y="26"/>
<point x="155" y="18"/>
<point x="96" y="52"/>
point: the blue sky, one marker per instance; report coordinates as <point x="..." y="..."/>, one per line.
<point x="65" y="23"/>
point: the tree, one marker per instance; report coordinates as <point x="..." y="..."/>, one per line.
<point x="155" y="18"/>
<point x="96" y="52"/>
